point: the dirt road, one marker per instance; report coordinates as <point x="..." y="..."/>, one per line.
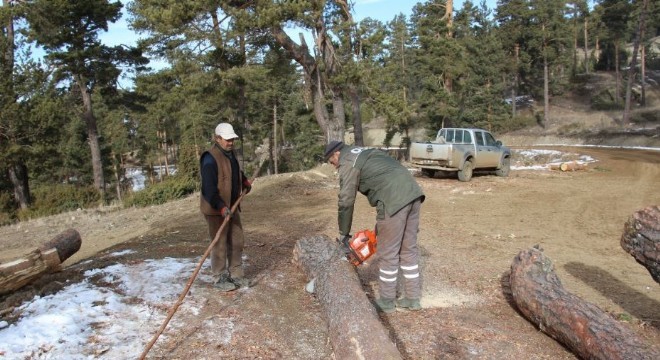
<point x="469" y="234"/>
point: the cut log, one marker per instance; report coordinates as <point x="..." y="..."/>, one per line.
<point x="46" y="259"/>
<point x="580" y="326"/>
<point x="641" y="239"/>
<point x="354" y="328"/>
<point x="568" y="166"/>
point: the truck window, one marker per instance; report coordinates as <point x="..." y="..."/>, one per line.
<point x="458" y="138"/>
<point x="479" y="138"/>
<point x="441" y="136"/>
<point x="450" y="136"/>
<point x="490" y="140"/>
<point x="467" y="138"/>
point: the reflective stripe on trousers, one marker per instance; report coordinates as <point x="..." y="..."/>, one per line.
<point x="397" y="248"/>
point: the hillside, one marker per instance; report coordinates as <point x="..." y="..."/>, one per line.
<point x="573" y="121"/>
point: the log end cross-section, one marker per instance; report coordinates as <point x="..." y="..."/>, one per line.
<point x="641" y="239"/>
<point x="46" y="259"/>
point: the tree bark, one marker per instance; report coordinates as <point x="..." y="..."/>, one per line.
<point x="357" y="116"/>
<point x="92" y="134"/>
<point x="18" y="175"/>
<point x="355" y="330"/>
<point x="632" y="71"/>
<point x="641" y="239"/>
<point x="580" y="326"/>
<point x="46" y="259"/>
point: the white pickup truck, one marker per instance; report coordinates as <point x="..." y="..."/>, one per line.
<point x="461" y="150"/>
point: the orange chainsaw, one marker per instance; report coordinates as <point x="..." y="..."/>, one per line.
<point x="361" y="246"/>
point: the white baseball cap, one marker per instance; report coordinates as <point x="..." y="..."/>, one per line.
<point x="226" y="131"/>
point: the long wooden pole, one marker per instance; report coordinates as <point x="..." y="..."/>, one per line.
<point x="190" y="282"/>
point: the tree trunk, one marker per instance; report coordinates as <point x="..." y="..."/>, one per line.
<point x="643" y="74"/>
<point x="18" y="175"/>
<point x="514" y="88"/>
<point x="617" y="75"/>
<point x="632" y="71"/>
<point x="357" y="117"/>
<point x="47" y="258"/>
<point x="580" y="326"/>
<point x="354" y="328"/>
<point x="641" y="239"/>
<point x="315" y="81"/>
<point x="586" y="45"/>
<point x="92" y="134"/>
<point x="275" y="145"/>
<point x="546" y="92"/>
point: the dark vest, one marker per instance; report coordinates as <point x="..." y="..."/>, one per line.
<point x="224" y="181"/>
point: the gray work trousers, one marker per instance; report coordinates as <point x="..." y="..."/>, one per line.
<point x="227" y="253"/>
<point x="397" y="249"/>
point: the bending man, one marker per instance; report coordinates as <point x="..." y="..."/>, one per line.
<point x="397" y="197"/>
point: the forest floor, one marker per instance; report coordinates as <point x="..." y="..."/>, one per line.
<point x="469" y="235"/>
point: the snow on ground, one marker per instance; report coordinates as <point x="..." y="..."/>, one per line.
<point x="539" y="159"/>
<point x="114" y="321"/>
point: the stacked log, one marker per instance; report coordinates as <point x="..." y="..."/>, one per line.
<point x="568" y="166"/>
<point x="580" y="326"/>
<point x="354" y="328"/>
<point x="45" y="259"/>
<point x="641" y="239"/>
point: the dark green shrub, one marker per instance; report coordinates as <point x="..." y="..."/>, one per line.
<point x="605" y="101"/>
<point x="59" y="198"/>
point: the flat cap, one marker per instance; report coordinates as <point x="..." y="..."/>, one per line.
<point x="331" y="148"/>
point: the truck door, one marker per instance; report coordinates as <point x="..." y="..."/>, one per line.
<point x="488" y="154"/>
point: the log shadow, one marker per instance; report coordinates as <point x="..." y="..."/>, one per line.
<point x="633" y="302"/>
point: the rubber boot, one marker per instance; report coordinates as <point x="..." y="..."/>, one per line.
<point x="224" y="283"/>
<point x="385" y="305"/>
<point x="409" y="304"/>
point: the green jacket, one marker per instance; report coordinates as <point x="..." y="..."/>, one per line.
<point x="387" y="184"/>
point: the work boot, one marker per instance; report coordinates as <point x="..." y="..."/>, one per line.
<point x="224" y="283"/>
<point x="240" y="281"/>
<point x="385" y="305"/>
<point x="410" y="304"/>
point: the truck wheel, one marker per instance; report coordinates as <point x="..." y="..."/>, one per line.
<point x="505" y="167"/>
<point x="465" y="174"/>
<point x="428" y="172"/>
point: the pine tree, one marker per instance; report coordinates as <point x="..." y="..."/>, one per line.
<point x="68" y="31"/>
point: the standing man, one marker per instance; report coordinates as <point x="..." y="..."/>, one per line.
<point x="397" y="197"/>
<point x="222" y="183"/>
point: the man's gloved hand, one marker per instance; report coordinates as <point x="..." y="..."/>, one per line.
<point x="226" y="212"/>
<point x="343" y="243"/>
<point x="247" y="185"/>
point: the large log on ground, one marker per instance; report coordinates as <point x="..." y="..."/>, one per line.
<point x="354" y="328"/>
<point x="47" y="258"/>
<point x="580" y="326"/>
<point x="641" y="239"/>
